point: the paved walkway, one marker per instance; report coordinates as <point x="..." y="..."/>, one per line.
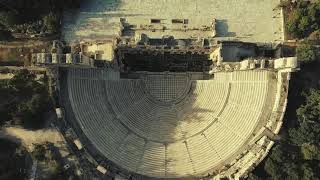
<point x="246" y="20"/>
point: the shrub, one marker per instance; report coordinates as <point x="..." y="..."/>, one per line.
<point x="305" y="52"/>
<point x="29" y="100"/>
<point x="39" y="152"/>
<point x="303" y="19"/>
<point x="9" y="19"/>
<point x="298" y="23"/>
<point x="310" y="110"/>
<point x="310" y="151"/>
<point x="51" y="23"/>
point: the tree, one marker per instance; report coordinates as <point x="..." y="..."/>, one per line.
<point x="39" y="152"/>
<point x="9" y="18"/>
<point x="291" y="170"/>
<point x="305" y="53"/>
<point x="61" y="174"/>
<point x="314" y="13"/>
<point x="297" y="22"/>
<point x="307" y="132"/>
<point x="303" y="19"/>
<point x="29" y="100"/>
<point x="304" y="24"/>
<point x="253" y="177"/>
<point x="310" y="151"/>
<point x="51" y="22"/>
<point x="310" y="110"/>
<point x="272" y="164"/>
<point x="309" y="173"/>
<point x="272" y="168"/>
<point x="22" y="81"/>
<point x="283" y="162"/>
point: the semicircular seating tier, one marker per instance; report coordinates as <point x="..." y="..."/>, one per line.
<point x="166" y="124"/>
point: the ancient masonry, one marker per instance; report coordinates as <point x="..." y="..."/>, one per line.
<point x="162" y="95"/>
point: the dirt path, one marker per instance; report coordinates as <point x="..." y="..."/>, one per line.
<point x="28" y="138"/>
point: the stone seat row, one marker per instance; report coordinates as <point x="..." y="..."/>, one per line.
<point x="127" y="127"/>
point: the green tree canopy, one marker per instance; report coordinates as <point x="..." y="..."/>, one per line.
<point x="39" y="152"/>
<point x="253" y="177"/>
<point x="305" y="52"/>
<point x="22" y="81"/>
<point x="9" y="18"/>
<point x="309" y="172"/>
<point x="307" y="132"/>
<point x="272" y="168"/>
<point x="280" y="162"/>
<point x="303" y="19"/>
<point x="310" y="151"/>
<point x="51" y="22"/>
<point x="310" y="111"/>
<point x="28" y="99"/>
